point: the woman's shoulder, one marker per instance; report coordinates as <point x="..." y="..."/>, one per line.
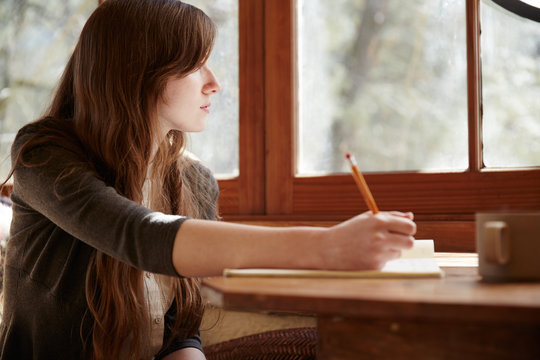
<point x="45" y="128"/>
<point x="193" y="165"/>
<point x="48" y="135"/>
<point x="46" y="123"/>
<point x="197" y="173"/>
<point x="203" y="170"/>
<point x="27" y="131"/>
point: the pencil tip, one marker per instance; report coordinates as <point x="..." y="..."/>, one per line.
<point x="348" y="156"/>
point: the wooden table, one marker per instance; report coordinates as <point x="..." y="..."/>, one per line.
<point x="455" y="317"/>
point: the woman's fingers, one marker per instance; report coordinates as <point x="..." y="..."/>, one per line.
<point x="399" y="242"/>
<point x="408" y="215"/>
<point x="369" y="240"/>
<point x="397" y="223"/>
<point x="394" y="254"/>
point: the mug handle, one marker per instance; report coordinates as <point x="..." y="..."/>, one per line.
<point x="497" y="242"/>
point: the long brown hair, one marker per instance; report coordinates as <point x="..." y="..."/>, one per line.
<point x="106" y="101"/>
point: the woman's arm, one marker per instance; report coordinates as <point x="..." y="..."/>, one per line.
<point x="366" y="241"/>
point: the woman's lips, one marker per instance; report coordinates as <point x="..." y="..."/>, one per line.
<point x="206" y="108"/>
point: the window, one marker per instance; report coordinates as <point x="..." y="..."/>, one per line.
<point x="36" y="40"/>
<point x="444" y="201"/>
<point x="510" y="88"/>
<point x="217" y="145"/>
<point x="448" y="74"/>
<point x="383" y="80"/>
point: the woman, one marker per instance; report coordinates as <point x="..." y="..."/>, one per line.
<point x="113" y="221"/>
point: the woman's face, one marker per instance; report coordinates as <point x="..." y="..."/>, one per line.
<point x="186" y="101"/>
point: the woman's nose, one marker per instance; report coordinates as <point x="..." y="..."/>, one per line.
<point x="212" y="85"/>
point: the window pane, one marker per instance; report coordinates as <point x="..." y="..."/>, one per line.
<point x="511" y="88"/>
<point x="384" y="80"/>
<point x="217" y="145"/>
<point x="36" y="40"/>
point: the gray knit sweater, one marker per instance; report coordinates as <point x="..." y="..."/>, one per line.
<point x="58" y="223"/>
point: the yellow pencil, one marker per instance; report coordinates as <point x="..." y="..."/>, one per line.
<point x="362" y="185"/>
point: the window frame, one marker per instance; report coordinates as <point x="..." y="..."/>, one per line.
<point x="268" y="191"/>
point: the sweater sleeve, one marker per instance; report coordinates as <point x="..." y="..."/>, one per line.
<point x="174" y="343"/>
<point x="60" y="186"/>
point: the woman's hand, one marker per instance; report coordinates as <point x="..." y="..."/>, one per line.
<point x="368" y="241"/>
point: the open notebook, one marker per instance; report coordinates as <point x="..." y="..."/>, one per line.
<point x="418" y="261"/>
